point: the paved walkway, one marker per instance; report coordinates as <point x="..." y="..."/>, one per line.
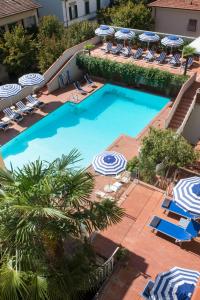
<point x="149" y="253"/>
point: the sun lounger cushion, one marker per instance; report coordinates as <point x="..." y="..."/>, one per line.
<point x="171" y="206"/>
<point x="174" y="231"/>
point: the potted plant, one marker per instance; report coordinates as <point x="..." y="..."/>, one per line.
<point x="89" y="47"/>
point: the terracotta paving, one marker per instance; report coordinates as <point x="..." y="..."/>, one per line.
<point x="149" y="253"/>
<point x="97" y="52"/>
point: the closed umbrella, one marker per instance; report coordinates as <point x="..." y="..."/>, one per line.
<point x="187" y="194"/>
<point x="31" y="79"/>
<point x="175" y="284"/>
<point x="9" y="90"/>
<point x="109" y="163"/>
<point x="125" y="34"/>
<point x="172" y="41"/>
<point x="149" y="37"/>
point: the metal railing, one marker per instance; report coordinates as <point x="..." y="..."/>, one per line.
<point x="179" y="97"/>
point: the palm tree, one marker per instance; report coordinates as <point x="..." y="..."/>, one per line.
<point x="46" y="212"/>
<point x="187" y="53"/>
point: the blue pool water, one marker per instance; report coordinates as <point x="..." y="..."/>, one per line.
<point x="90" y="126"/>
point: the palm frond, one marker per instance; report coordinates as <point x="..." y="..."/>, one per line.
<point x="38" y="288"/>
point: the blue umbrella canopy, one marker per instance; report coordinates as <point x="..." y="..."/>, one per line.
<point x="187" y="194"/>
<point x="104" y="31"/>
<point x="9" y="90"/>
<point x="125" y="34"/>
<point x="31" y="79"/>
<point x="176" y="284"/>
<point x="149" y="37"/>
<point x="109" y="163"/>
<point x="172" y="41"/>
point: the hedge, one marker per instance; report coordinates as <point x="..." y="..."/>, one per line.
<point x="131" y="74"/>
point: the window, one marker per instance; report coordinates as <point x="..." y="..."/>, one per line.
<point x="192" y="25"/>
<point x="87" y="7"/>
<point x="73" y="11"/>
<point x="98" y="4"/>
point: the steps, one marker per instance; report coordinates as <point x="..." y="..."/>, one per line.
<point x="183" y="106"/>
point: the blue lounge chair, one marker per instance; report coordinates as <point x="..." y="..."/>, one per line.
<point x="178" y="233"/>
<point x="161" y="58"/>
<point x="79" y="88"/>
<point x="89" y="81"/>
<point x="149" y="56"/>
<point x="13" y="116"/>
<point x="193" y="228"/>
<point x="126" y="52"/>
<point x="171" y="206"/>
<point x="146" y="293"/>
<point x="24" y="109"/>
<point x="117" y="49"/>
<point x="138" y="54"/>
<point x="34" y="102"/>
<point x="190" y="63"/>
<point x="175" y="61"/>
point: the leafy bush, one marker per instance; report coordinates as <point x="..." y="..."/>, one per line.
<point x="133" y="164"/>
<point x="166" y="147"/>
<point x="132" y="74"/>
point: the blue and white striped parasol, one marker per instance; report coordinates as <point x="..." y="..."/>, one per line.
<point x="149" y="37"/>
<point x="125" y="34"/>
<point x="9" y="90"/>
<point x="31" y="79"/>
<point x="187" y="194"/>
<point x="104" y="31"/>
<point x="176" y="284"/>
<point x="172" y="41"/>
<point x="109" y="163"/>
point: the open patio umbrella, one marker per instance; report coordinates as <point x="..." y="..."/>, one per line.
<point x="187" y="194"/>
<point x="125" y="34"/>
<point x="104" y="31"/>
<point x="176" y="284"/>
<point x="149" y="37"/>
<point x="109" y="163"/>
<point x="172" y="41"/>
<point x="31" y="79"/>
<point x="9" y="90"/>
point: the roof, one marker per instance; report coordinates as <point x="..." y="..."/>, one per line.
<point x="177" y="4"/>
<point x="13" y="7"/>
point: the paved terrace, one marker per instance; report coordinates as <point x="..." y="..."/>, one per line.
<point x="149" y="253"/>
<point x="98" y="52"/>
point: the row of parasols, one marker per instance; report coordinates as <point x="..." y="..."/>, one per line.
<point x="172" y="41"/>
<point x="12" y="89"/>
<point x="177" y="283"/>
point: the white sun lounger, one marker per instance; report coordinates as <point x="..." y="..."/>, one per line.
<point x="13" y="116"/>
<point x="22" y="108"/>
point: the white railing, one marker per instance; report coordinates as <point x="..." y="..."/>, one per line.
<point x="181" y="128"/>
<point x="55" y="67"/>
<point x="178" y="99"/>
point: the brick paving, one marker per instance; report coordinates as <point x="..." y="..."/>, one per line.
<point x="149" y="253"/>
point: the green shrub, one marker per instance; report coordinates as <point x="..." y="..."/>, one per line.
<point x="131" y="74"/>
<point x="133" y="164"/>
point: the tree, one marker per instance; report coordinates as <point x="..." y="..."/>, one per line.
<point x="166" y="147"/>
<point x="187" y="53"/>
<point x="46" y="212"/>
<point x="128" y="15"/>
<point x="18" y="51"/>
<point x="50" y="26"/>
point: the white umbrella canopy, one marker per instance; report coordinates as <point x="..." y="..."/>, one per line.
<point x="149" y="37"/>
<point x="124" y="34"/>
<point x="9" y="90"/>
<point x="31" y="79"/>
<point x="172" y="41"/>
<point x="104" y="31"/>
<point x="196" y="45"/>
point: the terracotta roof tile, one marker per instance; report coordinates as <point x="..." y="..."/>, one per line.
<point x="177" y="4"/>
<point x="12" y="7"/>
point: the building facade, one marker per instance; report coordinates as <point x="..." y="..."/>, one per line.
<point x="177" y="16"/>
<point x="24" y="12"/>
<point x="70" y="11"/>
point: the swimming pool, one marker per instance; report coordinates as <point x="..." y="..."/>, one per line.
<point x="90" y="126"/>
